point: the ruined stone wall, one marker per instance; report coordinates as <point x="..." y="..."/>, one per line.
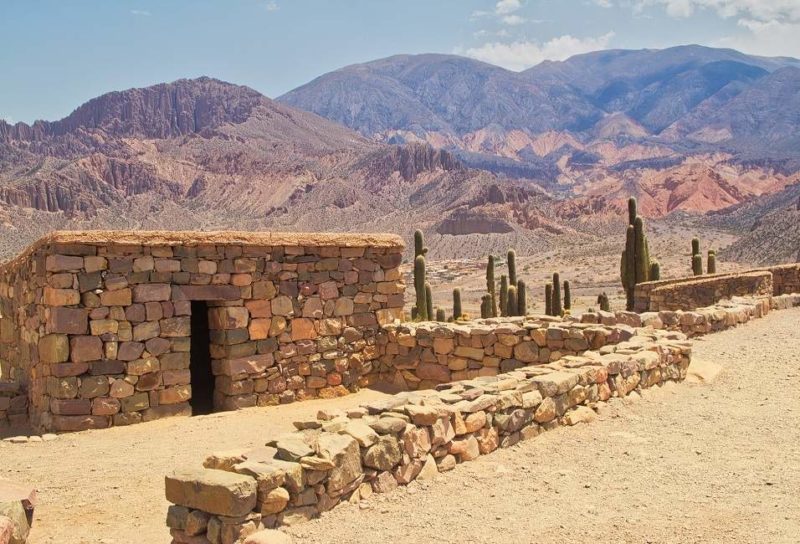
<point x="342" y="457"/>
<point x="290" y="317"/>
<point x="785" y="278"/>
<point x="424" y="355"/>
<point x="700" y="291"/>
<point x="20" y="316"/>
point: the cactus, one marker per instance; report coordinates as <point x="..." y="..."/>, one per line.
<point x="419" y="288"/>
<point x="511" y="310"/>
<point x="697" y="265"/>
<point x="503" y="294"/>
<point x="567" y="296"/>
<point x="548" y="299"/>
<point x="486" y="306"/>
<point x="490" y="285"/>
<point x="635" y="265"/>
<point x="602" y="300"/>
<point x="522" y="299"/>
<point x="414" y="313"/>
<point x="695" y="246"/>
<point x="457" y="313"/>
<point x="557" y="308"/>
<point x="512" y="267"/>
<point x="419" y="244"/>
<point x="712" y="261"/>
<point x="429" y="300"/>
<point x="440" y="315"/>
<point x="655" y="271"/>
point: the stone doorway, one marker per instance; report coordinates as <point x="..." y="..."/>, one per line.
<point x="202" y="401"/>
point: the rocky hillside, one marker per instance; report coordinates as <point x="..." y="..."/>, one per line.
<point x="689" y="128"/>
<point x="207" y="154"/>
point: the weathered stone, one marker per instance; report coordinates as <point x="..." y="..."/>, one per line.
<point x="85" y="348"/>
<point x="213" y="491"/>
<point x="54" y="348"/>
<point x="384" y="454"/>
<point x="344" y="452"/>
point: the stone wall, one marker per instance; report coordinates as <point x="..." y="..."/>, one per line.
<point x="107" y="318"/>
<point x="700" y="291"/>
<point x="341" y="457"/>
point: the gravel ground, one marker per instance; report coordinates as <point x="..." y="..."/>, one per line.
<point x="713" y="462"/>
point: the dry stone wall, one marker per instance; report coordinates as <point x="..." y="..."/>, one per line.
<point x="341" y="457"/>
<point x="103" y="336"/>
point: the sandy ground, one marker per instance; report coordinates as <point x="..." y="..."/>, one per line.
<point x="713" y="462"/>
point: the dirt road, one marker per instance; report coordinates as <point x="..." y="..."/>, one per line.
<point x="717" y="462"/>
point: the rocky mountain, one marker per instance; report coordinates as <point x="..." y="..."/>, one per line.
<point x="681" y="126"/>
<point x="210" y="155"/>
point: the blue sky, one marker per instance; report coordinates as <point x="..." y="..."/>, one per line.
<point x="56" y="54"/>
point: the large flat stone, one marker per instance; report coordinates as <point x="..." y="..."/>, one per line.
<point x="206" y="292"/>
<point x="213" y="491"/>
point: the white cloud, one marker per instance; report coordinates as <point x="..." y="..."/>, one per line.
<point x="772" y="38"/>
<point x="513" y="20"/>
<point x="141" y="12"/>
<point x="761" y="10"/>
<point x="272" y="5"/>
<point x="520" y="55"/>
<point x="504" y="7"/>
<point x="7" y="119"/>
<point x="604" y="3"/>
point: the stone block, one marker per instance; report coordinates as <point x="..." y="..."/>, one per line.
<point x="120" y="297"/>
<point x="213" y="491"/>
<point x="206" y="292"/>
<point x="61" y="297"/>
<point x="54" y="348"/>
<point x="228" y="317"/>
<point x="85" y="349"/>
<point x="152" y="292"/>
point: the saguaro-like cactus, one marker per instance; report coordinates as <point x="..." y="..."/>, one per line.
<point x="522" y="299"/>
<point x="486" y="303"/>
<point x="557" y="309"/>
<point x="712" y="262"/>
<point x="457" y="313"/>
<point x="695" y="246"/>
<point x="697" y="258"/>
<point x="419" y="288"/>
<point x="512" y="301"/>
<point x="419" y="244"/>
<point x="635" y="265"/>
<point x="655" y="271"/>
<point x="548" y="299"/>
<point x="602" y="301"/>
<point x="512" y="267"/>
<point x="440" y="315"/>
<point x="503" y="295"/>
<point x="567" y="296"/>
<point x="429" y="300"/>
<point x="490" y="285"/>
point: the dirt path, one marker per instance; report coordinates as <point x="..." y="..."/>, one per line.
<point x="718" y="462"/>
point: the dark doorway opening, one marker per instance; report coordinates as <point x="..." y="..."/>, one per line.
<point x="202" y="400"/>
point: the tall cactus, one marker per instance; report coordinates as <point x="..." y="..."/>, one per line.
<point x="486" y="306"/>
<point x="635" y="265"/>
<point x="697" y="265"/>
<point x="522" y="299"/>
<point x="567" y="296"/>
<point x="419" y="288"/>
<point x="548" y="299"/>
<point x="503" y="295"/>
<point x="512" y="267"/>
<point x="712" y="261"/>
<point x="440" y="315"/>
<point x="457" y="313"/>
<point x="557" y="309"/>
<point x="490" y="285"/>
<point x="429" y="300"/>
<point x="695" y="246"/>
<point x="419" y="244"/>
<point x="602" y="300"/>
<point x="512" y="301"/>
<point x="655" y="271"/>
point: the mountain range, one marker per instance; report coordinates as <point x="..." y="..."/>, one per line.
<point x="477" y="156"/>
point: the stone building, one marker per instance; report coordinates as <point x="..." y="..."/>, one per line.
<point x="108" y="328"/>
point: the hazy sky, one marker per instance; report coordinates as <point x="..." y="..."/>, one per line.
<point x="56" y="54"/>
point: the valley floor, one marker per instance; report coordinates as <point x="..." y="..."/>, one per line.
<point x="692" y="462"/>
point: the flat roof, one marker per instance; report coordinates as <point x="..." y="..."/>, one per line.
<point x="199" y="238"/>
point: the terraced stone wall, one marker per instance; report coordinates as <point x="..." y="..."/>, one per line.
<point x="700" y="291"/>
<point x="102" y="322"/>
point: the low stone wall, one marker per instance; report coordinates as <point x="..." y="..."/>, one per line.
<point x="375" y="448"/>
<point x="785" y="278"/>
<point x="700" y="291"/>
<point x="423" y="355"/>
